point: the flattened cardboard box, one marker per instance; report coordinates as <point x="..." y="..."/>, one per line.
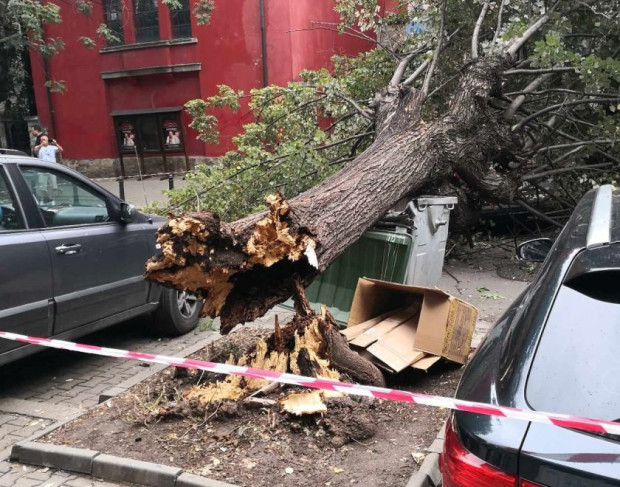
<point x="401" y="326"/>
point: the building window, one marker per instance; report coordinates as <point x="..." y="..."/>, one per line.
<point x="146" y="20"/>
<point x="114" y="21"/>
<point x="180" y="21"/>
<point x="150" y="132"/>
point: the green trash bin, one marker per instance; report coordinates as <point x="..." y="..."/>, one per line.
<point x="377" y="254"/>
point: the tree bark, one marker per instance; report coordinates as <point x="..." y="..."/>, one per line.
<point x="244" y="268"/>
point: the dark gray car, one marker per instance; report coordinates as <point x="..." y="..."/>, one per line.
<point x="556" y="350"/>
<point x="72" y="258"/>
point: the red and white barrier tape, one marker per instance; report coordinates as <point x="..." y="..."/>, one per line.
<point x="563" y="420"/>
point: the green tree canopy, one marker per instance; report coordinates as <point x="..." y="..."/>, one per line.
<point x="559" y="93"/>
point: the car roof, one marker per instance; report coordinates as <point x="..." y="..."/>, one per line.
<point x="595" y="221"/>
<point x="12" y="152"/>
<point x="18" y="156"/>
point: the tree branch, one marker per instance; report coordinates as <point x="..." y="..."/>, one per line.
<point x="517" y="102"/>
<point x="476" y="34"/>
<point x="362" y="111"/>
<point x="420" y="69"/>
<point x="574" y="144"/>
<point x="333" y="27"/>
<point x="277" y="159"/>
<point x="553" y="172"/>
<point x="540" y="215"/>
<point x="530" y="31"/>
<point x="598" y="150"/>
<point x="557" y="69"/>
<point x="431" y="68"/>
<point x="296" y="109"/>
<point x="400" y="69"/>
<point x="444" y="84"/>
<point x="560" y="90"/>
<point x="561" y="105"/>
<point x="499" y="25"/>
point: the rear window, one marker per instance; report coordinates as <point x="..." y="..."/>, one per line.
<point x="576" y="369"/>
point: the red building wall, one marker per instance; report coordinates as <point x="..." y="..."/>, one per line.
<point x="229" y="51"/>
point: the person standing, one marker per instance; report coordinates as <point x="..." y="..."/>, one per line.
<point x="46" y="150"/>
<point x="37" y="133"/>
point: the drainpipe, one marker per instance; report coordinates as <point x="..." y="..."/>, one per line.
<point x="263" y="38"/>
<point x="46" y="73"/>
<point x="50" y="104"/>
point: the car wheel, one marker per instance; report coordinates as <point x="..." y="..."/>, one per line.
<point x="178" y="312"/>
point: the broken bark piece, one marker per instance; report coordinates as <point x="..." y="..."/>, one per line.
<point x="263" y="391"/>
<point x="259" y="402"/>
<point x="303" y="403"/>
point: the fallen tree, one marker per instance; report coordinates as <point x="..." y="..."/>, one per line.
<point x="482" y="146"/>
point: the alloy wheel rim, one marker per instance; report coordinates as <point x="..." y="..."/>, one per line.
<point x="186" y="303"/>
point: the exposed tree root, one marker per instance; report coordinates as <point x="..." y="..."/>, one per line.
<point x="309" y="345"/>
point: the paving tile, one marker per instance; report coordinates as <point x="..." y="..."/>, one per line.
<point x="26" y="482"/>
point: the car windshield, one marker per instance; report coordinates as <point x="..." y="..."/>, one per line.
<point x="577" y="365"/>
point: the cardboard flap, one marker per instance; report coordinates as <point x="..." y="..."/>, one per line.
<point x="459" y="331"/>
<point x="394" y="359"/>
<point x="397" y="347"/>
<point x="406" y="287"/>
<point x="352" y="331"/>
<point x="426" y="363"/>
<point x="372" y="334"/>
<point x="433" y="322"/>
<point x="373" y="298"/>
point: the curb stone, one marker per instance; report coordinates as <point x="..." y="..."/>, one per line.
<point x="191" y="480"/>
<point x="428" y="475"/>
<point x="107" y="467"/>
<point x="117" y="469"/>
<point x="60" y="457"/>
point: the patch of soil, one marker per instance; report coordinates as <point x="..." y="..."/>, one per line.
<point x="358" y="441"/>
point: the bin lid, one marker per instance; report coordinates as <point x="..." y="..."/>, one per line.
<point x="436" y="200"/>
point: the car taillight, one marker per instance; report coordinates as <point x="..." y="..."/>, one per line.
<point x="460" y="468"/>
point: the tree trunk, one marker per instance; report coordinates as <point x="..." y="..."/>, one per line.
<point x="244" y="268"/>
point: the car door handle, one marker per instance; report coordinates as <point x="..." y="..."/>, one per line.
<point x="68" y="249"/>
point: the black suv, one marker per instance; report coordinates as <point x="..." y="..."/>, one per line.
<point x="554" y="350"/>
<point x="72" y="257"/>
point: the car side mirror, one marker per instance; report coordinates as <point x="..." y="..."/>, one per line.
<point x="127" y="213"/>
<point x="534" y="250"/>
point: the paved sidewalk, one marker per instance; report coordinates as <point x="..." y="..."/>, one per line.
<point x="140" y="193"/>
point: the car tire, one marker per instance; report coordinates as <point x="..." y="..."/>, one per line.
<point x="178" y="312"/>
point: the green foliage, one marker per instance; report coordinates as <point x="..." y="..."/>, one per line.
<point x="172" y="4"/>
<point x="363" y="14"/>
<point x="87" y="42"/>
<point x="56" y="86"/>
<point x="203" y="11"/>
<point x="203" y="120"/>
<point x="301" y="134"/>
<point x="84" y="7"/>
<point x="107" y="34"/>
